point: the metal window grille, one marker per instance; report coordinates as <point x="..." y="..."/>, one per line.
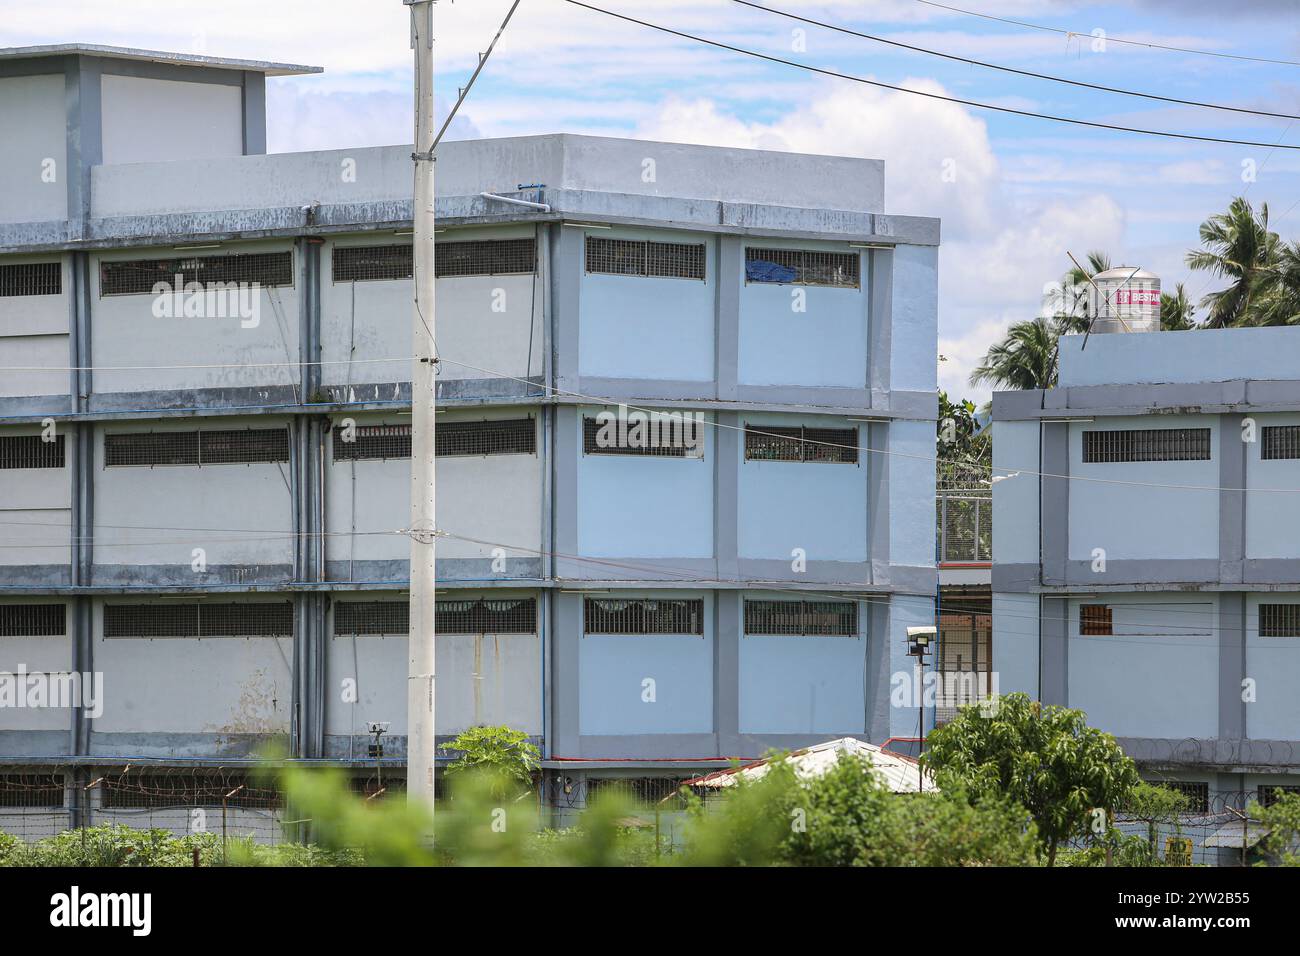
<point x="136" y="276"/>
<point x="390" y="785"/>
<point x="371" y="263"/>
<point x="31" y="278"/>
<point x="31" y="451"/>
<point x="801" y="618"/>
<point x="1197" y="794"/>
<point x="659" y="441"/>
<point x="198" y="619"/>
<point x="246" y="619"/>
<point x="964" y="661"/>
<point x="1146" y="444"/>
<point x="43" y="790"/>
<point x="155" y="791"/>
<point x="207" y="447"/>
<point x="486" y="257"/>
<point x="372" y="617"/>
<point x="511" y="436"/>
<point x="642" y="257"/>
<point x="804" y="267"/>
<point x="643" y="616"/>
<point x="772" y="443"/>
<point x="33" y="620"/>
<point x="514" y="436"/>
<point x="965" y="524"/>
<point x="1279" y="620"/>
<point x="1280" y="441"/>
<point x="1268" y="794"/>
<point x="642" y="790"/>
<point x="471" y="616"/>
<point x="1096" y="620"/>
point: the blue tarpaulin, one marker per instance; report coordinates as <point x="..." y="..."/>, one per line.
<point x="760" y="270"/>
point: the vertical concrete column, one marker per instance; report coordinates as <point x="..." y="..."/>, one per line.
<point x="82" y="100"/>
<point x="567" y="264"/>
<point x="728" y="632"/>
<point x="254" y="113"/>
<point x="726" y="346"/>
<point x="880" y="298"/>
<point x="79" y="449"/>
<point x="566" y="649"/>
<point x="1054" y="631"/>
<point x="727" y="439"/>
<point x="1054" y="509"/>
<point x="877" y="465"/>
<point x="1232" y="503"/>
<point x="877" y="704"/>
<point x="1232" y="665"/>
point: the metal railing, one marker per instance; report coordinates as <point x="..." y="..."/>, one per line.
<point x="964" y="526"/>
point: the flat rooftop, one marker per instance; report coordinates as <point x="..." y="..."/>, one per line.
<point x="156" y="56"/>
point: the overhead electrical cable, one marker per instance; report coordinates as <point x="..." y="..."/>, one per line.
<point x="1009" y="69"/>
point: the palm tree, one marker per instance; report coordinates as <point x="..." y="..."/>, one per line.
<point x="1279" y="302"/>
<point x="1069" y="303"/>
<point x="1237" y="246"/>
<point x="1026" y="358"/>
<point x="1176" y="310"/>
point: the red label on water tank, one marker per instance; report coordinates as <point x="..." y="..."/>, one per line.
<point x="1137" y="297"/>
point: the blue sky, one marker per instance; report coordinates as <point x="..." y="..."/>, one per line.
<point x="1024" y="190"/>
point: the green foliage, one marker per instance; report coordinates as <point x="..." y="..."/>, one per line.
<point x="508" y="753"/>
<point x="1046" y="759"/>
<point x="113" y="845"/>
<point x="963" y="447"/>
<point x="1282" y="844"/>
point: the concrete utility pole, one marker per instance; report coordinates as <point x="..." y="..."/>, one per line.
<point x="420" y="740"/>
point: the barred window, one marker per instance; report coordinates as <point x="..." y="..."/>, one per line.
<point x="198" y="619"/>
<point x="801" y="618"/>
<point x="477" y="257"/>
<point x="1096" y="620"/>
<point x="642" y="790"/>
<point x="43" y="790"/>
<point x="773" y="443"/>
<point x="1280" y="441"/>
<point x="1197" y="794"/>
<point x="31" y="278"/>
<point x="1279" y="620"/>
<point x="643" y="616"/>
<point x="139" y="791"/>
<point x="642" y="257"/>
<point x="802" y="267"/>
<point x="512" y="436"/>
<point x="206" y="447"/>
<point x="31" y="451"/>
<point x="665" y="435"/>
<point x="33" y="620"/>
<point x="1268" y="794"/>
<point x="1146" y="444"/>
<point x="470" y="616"/>
<point x="137" y="276"/>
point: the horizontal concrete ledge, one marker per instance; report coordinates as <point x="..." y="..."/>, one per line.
<point x="1225" y="756"/>
<point x="1205" y="574"/>
<point x="1105" y="401"/>
<point x="719" y="750"/>
<point x="605" y="208"/>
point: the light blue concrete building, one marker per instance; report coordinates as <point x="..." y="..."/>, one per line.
<point x="209" y="507"/>
<point x="1147" y="559"/>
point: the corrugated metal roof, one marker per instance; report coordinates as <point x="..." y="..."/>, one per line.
<point x="157" y="56"/>
<point x="901" y="774"/>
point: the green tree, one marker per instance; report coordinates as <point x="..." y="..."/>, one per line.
<point x="1157" y="807"/>
<point x="1176" y="310"/>
<point x="1237" y="246"/>
<point x="1069" y="776"/>
<point x="1281" y="846"/>
<point x="1026" y="357"/>
<point x="1279" y="303"/>
<point x="963" y="446"/>
<point x="508" y="753"/>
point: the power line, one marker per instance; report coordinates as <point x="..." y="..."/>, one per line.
<point x="1009" y="69"/>
<point x="1168" y="134"/>
<point x="1109" y="38"/>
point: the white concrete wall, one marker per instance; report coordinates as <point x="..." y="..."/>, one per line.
<point x="238" y="514"/>
<point x="1272" y="516"/>
<point x="1210" y="355"/>
<point x="1016" y="645"/>
<point x="33" y="149"/>
<point x="374" y="496"/>
<point x="1158" y="676"/>
<point x="1015" y="499"/>
<point x="914" y="319"/>
<point x="150" y="121"/>
<point x="34" y="336"/>
<point x="484" y="321"/>
<point x="1154" y="517"/>
<point x="218" y="685"/>
<point x="222" y="352"/>
<point x="51" y="655"/>
<point x="35" y="510"/>
<point x="1273" y="663"/>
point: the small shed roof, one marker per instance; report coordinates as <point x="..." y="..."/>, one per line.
<point x="901" y="774"/>
<point x="156" y="56"/>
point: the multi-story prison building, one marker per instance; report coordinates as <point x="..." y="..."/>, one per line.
<point x="1147" y="559"/>
<point x="205" y="360"/>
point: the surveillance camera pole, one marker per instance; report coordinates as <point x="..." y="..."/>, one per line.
<point x="420" y="739"/>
